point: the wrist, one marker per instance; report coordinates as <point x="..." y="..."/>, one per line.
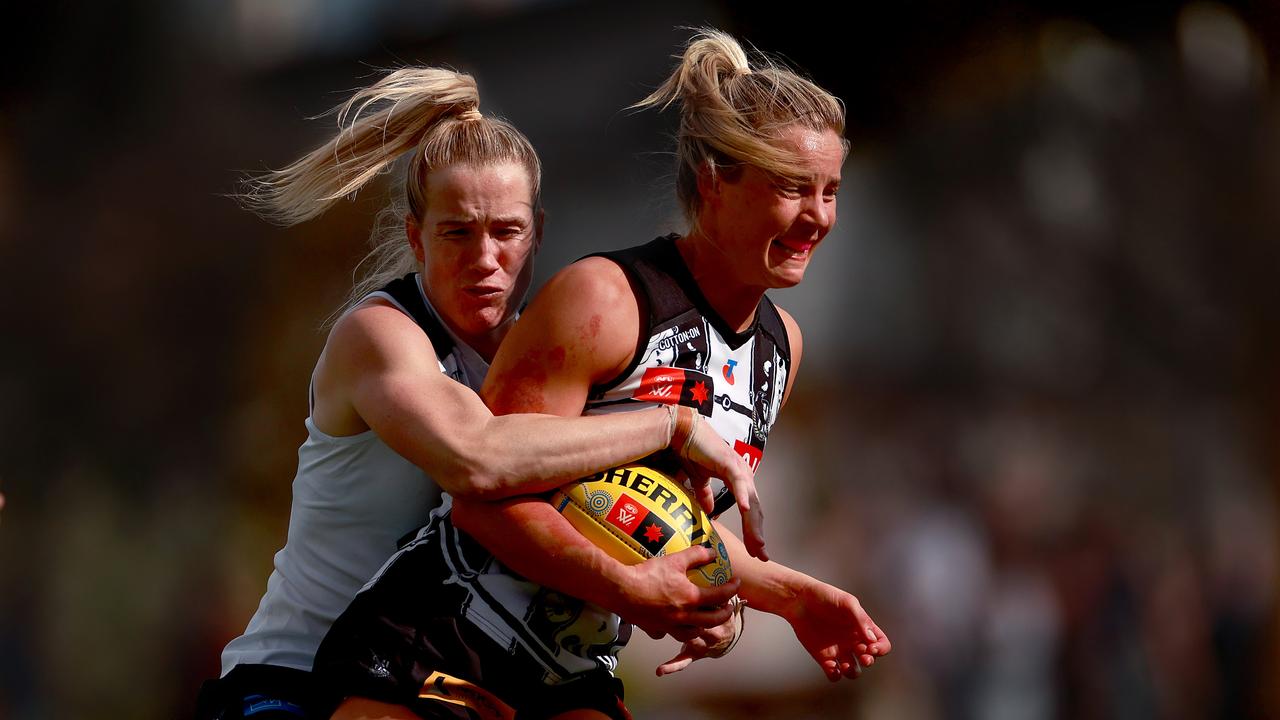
<point x="616" y="579"/>
<point x="686" y="427"/>
<point x="780" y="593"/>
<point x="671" y="424"/>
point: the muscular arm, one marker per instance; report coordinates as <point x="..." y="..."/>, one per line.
<point x="379" y="372"/>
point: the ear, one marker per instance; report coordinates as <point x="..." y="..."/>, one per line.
<point x="413" y="231"/>
<point x="538" y="222"/>
<point x="708" y="182"/>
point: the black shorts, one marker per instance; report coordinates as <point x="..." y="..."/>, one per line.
<point x="404" y="641"/>
<point x="264" y="692"/>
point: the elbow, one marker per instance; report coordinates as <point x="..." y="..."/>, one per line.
<point x="462" y="515"/>
<point x="472" y="479"/>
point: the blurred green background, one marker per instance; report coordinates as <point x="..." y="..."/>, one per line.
<point x="1037" y="430"/>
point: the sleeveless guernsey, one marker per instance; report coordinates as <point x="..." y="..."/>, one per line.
<point x="686" y="355"/>
<point x="353" y="499"/>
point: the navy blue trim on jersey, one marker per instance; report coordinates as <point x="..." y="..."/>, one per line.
<point x="408" y="293"/>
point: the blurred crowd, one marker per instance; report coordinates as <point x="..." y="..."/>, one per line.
<point x="1036" y="429"/>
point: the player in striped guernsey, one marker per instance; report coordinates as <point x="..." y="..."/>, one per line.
<point x="682" y="321"/>
<point x="394" y="400"/>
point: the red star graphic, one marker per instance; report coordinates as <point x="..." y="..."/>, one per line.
<point x="653" y="533"/>
<point x="699" y="392"/>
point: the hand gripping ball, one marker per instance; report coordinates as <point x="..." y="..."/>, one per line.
<point x="634" y="513"/>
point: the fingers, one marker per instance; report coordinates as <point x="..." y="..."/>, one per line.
<point x="696" y="556"/>
<point x="836" y="669"/>
<point x="705" y="496"/>
<point x="877" y="643"/>
<point x="707" y="618"/>
<point x="695" y="649"/>
<point x="674" y="665"/>
<point x="720" y="594"/>
<point x="752" y="523"/>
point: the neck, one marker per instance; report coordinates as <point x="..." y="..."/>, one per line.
<point x="733" y="301"/>
<point x="486" y="345"/>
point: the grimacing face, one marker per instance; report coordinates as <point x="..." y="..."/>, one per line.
<point x="766" y="228"/>
<point x="475" y="243"/>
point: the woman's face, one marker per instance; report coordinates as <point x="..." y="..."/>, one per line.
<point x="476" y="242"/>
<point x="766" y="228"/>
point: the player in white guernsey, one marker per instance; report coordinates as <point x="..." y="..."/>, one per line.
<point x="524" y="627"/>
<point x="393" y="396"/>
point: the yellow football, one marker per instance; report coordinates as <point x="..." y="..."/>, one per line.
<point x="634" y="513"/>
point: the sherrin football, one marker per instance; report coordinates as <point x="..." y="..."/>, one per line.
<point x="634" y="513"/>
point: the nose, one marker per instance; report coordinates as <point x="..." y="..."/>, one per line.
<point x="484" y="254"/>
<point x="820" y="210"/>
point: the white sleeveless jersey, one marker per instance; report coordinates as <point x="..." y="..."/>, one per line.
<point x="685" y="356"/>
<point x="354" y="498"/>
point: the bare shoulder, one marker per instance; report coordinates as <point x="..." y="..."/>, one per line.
<point x="589" y="306"/>
<point x="593" y="279"/>
<point x="374" y="329"/>
<point x="581" y="329"/>
<point x="375" y="336"/>
<point x="796" y="341"/>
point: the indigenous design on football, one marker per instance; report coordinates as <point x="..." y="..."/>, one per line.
<point x="599" y="501"/>
<point x="645" y="514"/>
<point x="716" y="573"/>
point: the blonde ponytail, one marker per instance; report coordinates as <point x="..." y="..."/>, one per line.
<point x="732" y="110"/>
<point x="375" y="126"/>
<point x="431" y="117"/>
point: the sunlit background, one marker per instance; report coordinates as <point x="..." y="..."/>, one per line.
<point x="1037" y="427"/>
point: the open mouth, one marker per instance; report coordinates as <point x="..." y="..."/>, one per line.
<point x="795" y="248"/>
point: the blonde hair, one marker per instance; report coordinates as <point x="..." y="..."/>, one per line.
<point x="429" y="115"/>
<point x="732" y="109"/>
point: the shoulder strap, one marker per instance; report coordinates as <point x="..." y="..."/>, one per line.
<point x="406" y="293"/>
<point x="649" y="266"/>
<point x="771" y="325"/>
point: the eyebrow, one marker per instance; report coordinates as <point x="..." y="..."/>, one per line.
<point x="459" y="222"/>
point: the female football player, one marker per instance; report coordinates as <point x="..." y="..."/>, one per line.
<point x="681" y="320"/>
<point x="393" y="395"/>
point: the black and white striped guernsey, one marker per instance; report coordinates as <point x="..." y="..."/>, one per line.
<point x="690" y="356"/>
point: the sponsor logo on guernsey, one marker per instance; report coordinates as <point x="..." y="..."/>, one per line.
<point x="661" y="385"/>
<point x="728" y="370"/>
<point x="680" y="336"/>
<point x="750" y="454"/>
<point x="677" y="386"/>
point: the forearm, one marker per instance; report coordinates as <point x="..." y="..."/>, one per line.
<point x="767" y="586"/>
<point x="531" y="538"/>
<point x="525" y="454"/>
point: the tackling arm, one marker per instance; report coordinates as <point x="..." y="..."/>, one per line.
<point x="379" y="372"/>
